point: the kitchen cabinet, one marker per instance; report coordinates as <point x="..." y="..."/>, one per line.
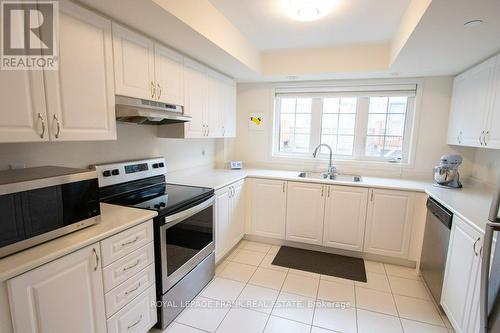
<point x="305" y="211"/>
<point x="169" y="75"/>
<point x="388" y="222"/>
<point x="230" y="218"/>
<point x="81" y="94"/>
<point x="215" y="104"/>
<point x="65" y="295"/>
<point x="474" y="118"/>
<point x="461" y="276"/>
<point x="145" y="69"/>
<point x="195" y="99"/>
<point x="79" y="102"/>
<point x="23" y="115"/>
<point x="134" y="57"/>
<point x="229" y="127"/>
<point x="267" y="207"/>
<point x="345" y="216"/>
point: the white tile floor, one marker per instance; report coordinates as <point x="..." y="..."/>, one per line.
<point x="250" y="295"/>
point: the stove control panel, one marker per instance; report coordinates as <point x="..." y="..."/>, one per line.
<point x="121" y="172"/>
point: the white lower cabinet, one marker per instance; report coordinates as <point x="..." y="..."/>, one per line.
<point x="229" y="218"/>
<point x="304" y="214"/>
<point x="138" y="316"/>
<point x="460" y="284"/>
<point x="345" y="216"/>
<point x="267" y="207"/>
<point x="388" y="222"/>
<point x="65" y="295"/>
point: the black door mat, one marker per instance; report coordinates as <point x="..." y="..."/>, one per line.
<point x="320" y="262"/>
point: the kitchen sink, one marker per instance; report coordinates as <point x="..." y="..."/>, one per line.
<point x="324" y="175"/>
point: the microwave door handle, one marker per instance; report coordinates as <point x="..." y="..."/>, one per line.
<point x="485" y="275"/>
<point x="495" y="207"/>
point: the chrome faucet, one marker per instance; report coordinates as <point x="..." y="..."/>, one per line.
<point x="332" y="170"/>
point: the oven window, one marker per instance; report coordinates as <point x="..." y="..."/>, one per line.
<point x="187" y="238"/>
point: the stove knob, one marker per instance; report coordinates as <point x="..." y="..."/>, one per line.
<point x="155" y="166"/>
<point x="161" y="165"/>
<point x="157" y="206"/>
<point x="106" y="173"/>
<point x="162" y="204"/>
<point x="115" y="172"/>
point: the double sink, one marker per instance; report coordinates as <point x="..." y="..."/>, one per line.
<point x="325" y="175"/>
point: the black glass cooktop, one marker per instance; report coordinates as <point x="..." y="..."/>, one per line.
<point x="162" y="197"/>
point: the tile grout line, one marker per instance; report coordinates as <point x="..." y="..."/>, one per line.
<point x="394" y="300"/>
<point x="315" y="303"/>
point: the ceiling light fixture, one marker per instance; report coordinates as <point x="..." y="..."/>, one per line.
<point x="473" y="23"/>
<point x="308" y="10"/>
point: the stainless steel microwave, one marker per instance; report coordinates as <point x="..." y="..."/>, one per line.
<point x="40" y="204"/>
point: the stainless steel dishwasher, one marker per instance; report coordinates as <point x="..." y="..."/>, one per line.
<point x="435" y="247"/>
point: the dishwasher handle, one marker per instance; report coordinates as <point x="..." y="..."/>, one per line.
<point x="441" y="213"/>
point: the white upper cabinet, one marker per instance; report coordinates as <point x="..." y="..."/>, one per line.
<point x="388" y="223"/>
<point x="195" y="99"/>
<point x="345" y="216"/>
<point x="267" y="207"/>
<point x="229" y="126"/>
<point x="134" y="57"/>
<point x="473" y="115"/>
<point x="23" y="116"/>
<point x="215" y="104"/>
<point x="80" y="95"/>
<point x="169" y="75"/>
<point x="65" y="295"/>
<point x="305" y="209"/>
<point x="461" y="274"/>
<point x="492" y="137"/>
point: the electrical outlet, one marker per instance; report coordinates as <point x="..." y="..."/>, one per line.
<point x="17" y="166"/>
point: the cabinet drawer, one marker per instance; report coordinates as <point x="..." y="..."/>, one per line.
<point x="128" y="290"/>
<point x="118" y="246"/>
<point x="121" y="270"/>
<point x="138" y="316"/>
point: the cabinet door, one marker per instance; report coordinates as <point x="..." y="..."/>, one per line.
<point x="134" y="63"/>
<point x="458" y="109"/>
<point x="475" y="101"/>
<point x="388" y="224"/>
<point x="305" y="211"/>
<point x="23" y="115"/>
<point x="169" y="74"/>
<point x="229" y="129"/>
<point x="492" y="138"/>
<point x="195" y="98"/>
<point x="462" y="269"/>
<point x="215" y="106"/>
<point x="65" y="295"/>
<point x="345" y="217"/>
<point x="222" y="220"/>
<point x="80" y="95"/>
<point x="237" y="214"/>
<point x="267" y="207"/>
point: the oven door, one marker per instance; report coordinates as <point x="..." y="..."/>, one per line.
<point x="186" y="238"/>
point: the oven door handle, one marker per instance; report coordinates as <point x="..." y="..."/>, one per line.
<point x="181" y="216"/>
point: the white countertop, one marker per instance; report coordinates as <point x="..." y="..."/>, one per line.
<point x="113" y="220"/>
<point x="219" y="178"/>
<point x="471" y="203"/>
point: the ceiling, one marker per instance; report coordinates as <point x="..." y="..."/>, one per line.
<point x="266" y="25"/>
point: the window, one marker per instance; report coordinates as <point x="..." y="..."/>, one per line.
<point x="356" y="125"/>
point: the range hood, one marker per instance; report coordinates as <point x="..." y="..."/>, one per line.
<point x="146" y="112"/>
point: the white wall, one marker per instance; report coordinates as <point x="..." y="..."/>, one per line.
<point x="486" y="166"/>
<point x="254" y="147"/>
<point x="134" y="141"/>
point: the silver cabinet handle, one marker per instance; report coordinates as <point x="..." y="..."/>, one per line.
<point x="284" y="184"/>
<point x="96" y="259"/>
<point x="328" y="193"/>
<point x="132" y="266"/>
<point x="153" y="89"/>
<point x="223" y="131"/>
<point x="133" y="289"/>
<point x="371" y="195"/>
<point x="131" y="241"/>
<point x="322" y="190"/>
<point x="135" y="324"/>
<point x="474" y="246"/>
<point x="459" y="137"/>
<point x="484" y="137"/>
<point x="40" y="116"/>
<point x="481" y="138"/>
<point x="58" y="124"/>
<point x="159" y="90"/>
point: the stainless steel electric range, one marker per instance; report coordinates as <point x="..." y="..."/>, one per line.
<point x="184" y="228"/>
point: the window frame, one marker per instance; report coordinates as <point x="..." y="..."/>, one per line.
<point x="363" y="92"/>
